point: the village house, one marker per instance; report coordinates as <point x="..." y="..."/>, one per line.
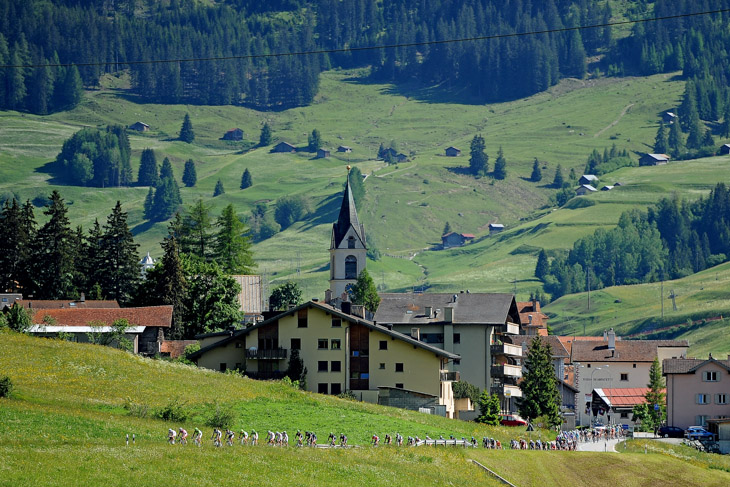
<point x="653" y="159"/>
<point x="607" y="188"/>
<point x="617" y="404"/>
<point x="472" y="325"/>
<point x="8" y="299"/>
<point x="452" y="152"/>
<point x="145" y="332"/>
<point x="495" y="228"/>
<point x="724" y="149"/>
<point x="233" y="134"/>
<point x="139" y="127"/>
<point x="585" y="189"/>
<point x="532" y="320"/>
<point x="611" y="362"/>
<point x="322" y="153"/>
<point x="342" y="351"/>
<point x="345" y="149"/>
<point x="82" y="302"/>
<point x="453" y="239"/>
<point x="588" y="179"/>
<point x="283" y="147"/>
<point x="698" y="390"/>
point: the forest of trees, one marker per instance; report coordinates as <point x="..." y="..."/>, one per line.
<point x="93" y="157"/>
<point x="673" y="239"/>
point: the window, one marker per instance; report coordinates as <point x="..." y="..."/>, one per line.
<point x="634" y="365"/>
<point x="296" y="343"/>
<point x="625" y="377"/>
<point x="381" y="366"/>
<point x="624" y="415"/>
<point x="336" y="344"/>
<point x="336" y="323"/>
<point x="322" y="366"/>
<point x="336" y="389"/>
<point x="703" y="399"/>
<point x="399" y="367"/>
<point x="223" y="367"/>
<point x="589" y="366"/>
<point x="323" y="388"/>
<point x="720" y="398"/>
<point x="323" y="344"/>
<point x="335" y="366"/>
<point x="457" y="361"/>
<point x="351" y="242"/>
<point x="701" y="420"/>
<point x="383" y="344"/>
<point x="302" y="318"/>
<point x="457" y="337"/>
<point x="399" y="386"/>
<point x="709" y="376"/>
<point x="350" y="267"/>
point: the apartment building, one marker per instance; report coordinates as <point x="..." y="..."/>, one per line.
<point x="697" y="390"/>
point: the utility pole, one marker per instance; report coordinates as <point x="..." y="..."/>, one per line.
<point x="588" y="279"/>
<point x="661" y="298"/>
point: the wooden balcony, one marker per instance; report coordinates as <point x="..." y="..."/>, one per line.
<point x="263" y="354"/>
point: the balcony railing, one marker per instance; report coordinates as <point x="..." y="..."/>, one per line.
<point x="447" y="376"/>
<point x="507" y="349"/>
<point x="506" y="390"/>
<point x="266" y="375"/>
<point x="506" y="370"/>
<point x="262" y="354"/>
<point x="511" y="329"/>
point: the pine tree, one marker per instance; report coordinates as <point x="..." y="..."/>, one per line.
<point x="120" y="269"/>
<point x="166" y="199"/>
<point x="149" y="202"/>
<point x="92" y="264"/>
<point x="447" y="229"/>
<point x="675" y="140"/>
<point x="147" y="174"/>
<point x="364" y="292"/>
<point x="186" y="131"/>
<point x="15" y="238"/>
<point x="265" y="136"/>
<point x="707" y="139"/>
<point x="500" y="165"/>
<point x="489" y="409"/>
<point x="15" y="80"/>
<point x="694" y="137"/>
<point x="219" y="190"/>
<point x="540" y="394"/>
<point x="314" y="141"/>
<point x="558" y="180"/>
<point x="661" y="143"/>
<point x="232" y="245"/>
<point x="72" y="89"/>
<point x="189" y="177"/>
<point x="725" y="127"/>
<point x="166" y="169"/>
<point x="655" y="396"/>
<point x="479" y="161"/>
<point x="41" y="84"/>
<point x="246" y="181"/>
<point x="536" y="175"/>
<point x="197" y="231"/>
<point x="357" y="185"/>
<point x="542" y="268"/>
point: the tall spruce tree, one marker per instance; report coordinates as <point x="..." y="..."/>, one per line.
<point x="543" y="266"/>
<point x="314" y="141"/>
<point x="72" y="89"/>
<point x="661" y="142"/>
<point x="500" y="165"/>
<point x="148" y="175"/>
<point x="186" y="131"/>
<point x="655" y="396"/>
<point x="479" y="161"/>
<point x="675" y="140"/>
<point x="92" y="264"/>
<point x="54" y="253"/>
<point x="232" y="245"/>
<point x="265" y="136"/>
<point x="197" y="237"/>
<point x="15" y="237"/>
<point x="540" y="394"/>
<point x="166" y="169"/>
<point x="558" y="180"/>
<point x="219" y="189"/>
<point x="190" y="177"/>
<point x="120" y="271"/>
<point x="536" y="175"/>
<point x="166" y="199"/>
<point x="246" y="181"/>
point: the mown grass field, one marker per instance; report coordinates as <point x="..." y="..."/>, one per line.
<point x="65" y="425"/>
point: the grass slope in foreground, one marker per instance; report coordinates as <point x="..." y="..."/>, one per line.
<point x="66" y="421"/>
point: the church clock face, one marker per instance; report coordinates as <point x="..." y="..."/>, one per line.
<point x="349" y="288"/>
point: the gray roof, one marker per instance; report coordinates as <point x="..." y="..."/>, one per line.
<point x="625" y="350"/>
<point x="347" y="218"/>
<point x="237" y="334"/>
<point x="469" y="308"/>
<point x="557" y="349"/>
<point x="690" y="365"/>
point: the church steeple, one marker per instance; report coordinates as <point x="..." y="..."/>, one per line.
<point x="347" y="248"/>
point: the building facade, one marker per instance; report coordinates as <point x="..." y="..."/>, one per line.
<point x="348" y="248"/>
<point x="697" y="390"/>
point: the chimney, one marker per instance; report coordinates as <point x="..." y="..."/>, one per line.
<point x="534" y="304"/>
<point x="416" y="333"/>
<point x="328" y="296"/>
<point x="611" y="339"/>
<point x="346" y="307"/>
<point x="529" y="319"/>
<point x="429" y="312"/>
<point x="82" y="298"/>
<point x="605" y="335"/>
<point x="449" y="314"/>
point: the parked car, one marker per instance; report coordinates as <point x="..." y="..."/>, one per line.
<point x="512" y="420"/>
<point x="671" y="432"/>
<point x="697" y="433"/>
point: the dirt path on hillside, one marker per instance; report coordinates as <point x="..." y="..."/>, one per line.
<point x="623" y="112"/>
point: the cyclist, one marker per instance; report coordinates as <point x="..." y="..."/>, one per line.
<point x="171" y="436"/>
<point x="183" y="436"/>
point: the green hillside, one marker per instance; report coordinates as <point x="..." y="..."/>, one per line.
<point x="67" y="418"/>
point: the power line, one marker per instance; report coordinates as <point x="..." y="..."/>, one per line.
<point x="372" y="48"/>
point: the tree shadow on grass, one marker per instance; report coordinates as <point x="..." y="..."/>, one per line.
<point x="326" y="213"/>
<point x="50" y="169"/>
<point x="142" y="227"/>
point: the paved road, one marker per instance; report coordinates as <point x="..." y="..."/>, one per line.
<point x="602" y="446"/>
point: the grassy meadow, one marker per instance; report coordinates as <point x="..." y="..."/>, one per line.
<point x="67" y="418"/>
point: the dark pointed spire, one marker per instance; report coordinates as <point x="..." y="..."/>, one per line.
<point x="347" y="218"/>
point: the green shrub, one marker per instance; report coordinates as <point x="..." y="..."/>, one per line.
<point x="6" y="386"/>
<point x="220" y="417"/>
<point x="175" y="411"/>
<point x="135" y="409"/>
<point x="347" y="395"/>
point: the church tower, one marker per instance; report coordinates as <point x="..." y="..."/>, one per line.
<point x="347" y="248"/>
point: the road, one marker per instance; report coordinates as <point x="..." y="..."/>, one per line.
<point x="602" y="446"/>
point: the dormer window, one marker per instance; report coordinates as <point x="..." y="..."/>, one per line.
<point x="351" y="242"/>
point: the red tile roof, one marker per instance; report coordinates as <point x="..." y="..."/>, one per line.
<point x="625" y="397"/>
<point x="539" y="319"/>
<point x="175" y="348"/>
<point x="65" y="303"/>
<point x="145" y="316"/>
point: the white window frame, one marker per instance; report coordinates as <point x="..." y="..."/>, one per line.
<point x="710" y="376"/>
<point x="721" y="398"/>
<point x="702" y="399"/>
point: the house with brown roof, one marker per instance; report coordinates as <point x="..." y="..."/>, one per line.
<point x="139" y="127"/>
<point x="66" y="303"/>
<point x="146" y="324"/>
<point x="615" y="405"/>
<point x="532" y="320"/>
<point x="698" y="390"/>
<point x="233" y="134"/>
<point x="653" y="159"/>
<point x="283" y="147"/>
<point x="452" y="152"/>
<point x="453" y="239"/>
<point x="611" y="362"/>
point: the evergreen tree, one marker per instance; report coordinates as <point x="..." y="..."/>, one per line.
<point x="197" y="237"/>
<point x="41" y="85"/>
<point x="500" y="165"/>
<point x="246" y="181"/>
<point x="166" y="199"/>
<point x="540" y="394"/>
<point x="572" y="176"/>
<point x="72" y="89"/>
<point x="447" y="229"/>
<point x="265" y="136"/>
<point x="725" y="127"/>
<point x="15" y="237"/>
<point x="381" y="151"/>
<point x="189" y="177"/>
<point x="186" y="131"/>
<point x="489" y="409"/>
<point x="232" y="245"/>
<point x="54" y="253"/>
<point x="558" y="180"/>
<point x="93" y="264"/>
<point x="542" y="268"/>
<point x="166" y="169"/>
<point x="219" y="189"/>
<point x="707" y="139"/>
<point x="15" y="79"/>
<point x="364" y="292"/>
<point x="147" y="175"/>
<point x="536" y="175"/>
<point x="314" y="141"/>
<point x="149" y="203"/>
<point x="661" y="142"/>
<point x="479" y="161"/>
<point x="655" y="396"/>
<point x="284" y="295"/>
<point x="694" y="137"/>
<point x="296" y="371"/>
<point x="675" y="140"/>
<point x="120" y="267"/>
